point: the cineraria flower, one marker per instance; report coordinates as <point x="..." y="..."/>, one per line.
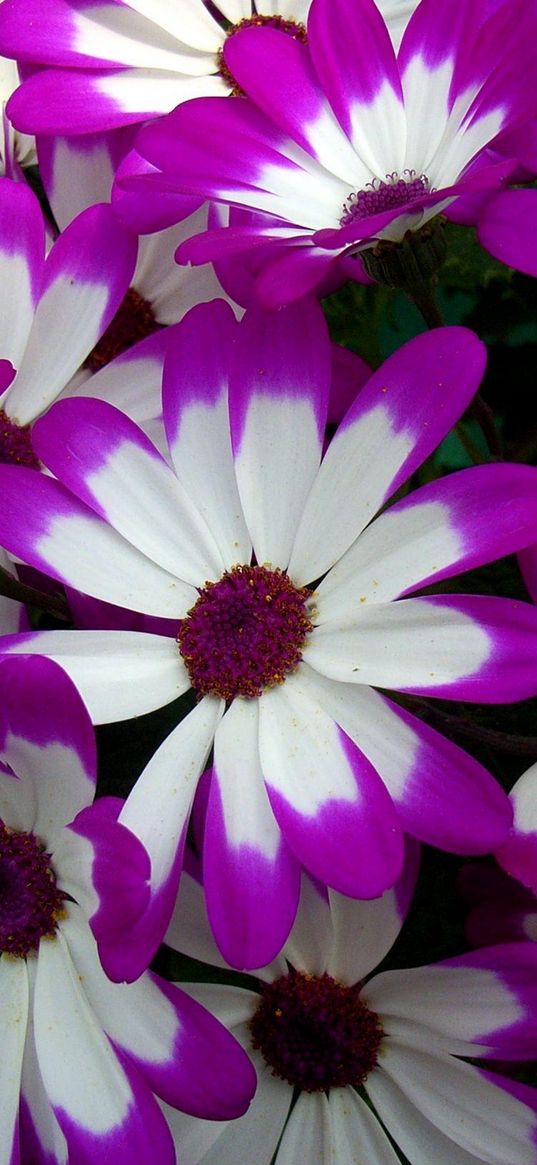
<point x="346" y="1061"/>
<point x="120" y="64"/>
<point x="343" y="145"/>
<point x="82" y="1057"/>
<point x="283" y="594"/>
<point x="72" y="293"/>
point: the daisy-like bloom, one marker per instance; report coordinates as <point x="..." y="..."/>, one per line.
<point x="122" y="63"/>
<point x="83" y="1057"/>
<point x="344" y="1057"/>
<point x="282" y="590"/>
<point x="54" y="308"/>
<point x="343" y="144"/>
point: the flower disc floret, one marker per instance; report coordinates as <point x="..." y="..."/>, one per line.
<point x="30" y="901"/>
<point x="316" y="1033"/>
<point x="16" y="443"/>
<point x="245" y="632"/>
<point x="384" y="194"/>
<point x="133" y="321"/>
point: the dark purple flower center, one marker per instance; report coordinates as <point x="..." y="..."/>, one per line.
<point x="30" y="902"/>
<point x="292" y="27"/>
<point x="384" y="194"/>
<point x="316" y="1033"/>
<point x="133" y="321"/>
<point x="245" y="633"/>
<point x="16" y="443"/>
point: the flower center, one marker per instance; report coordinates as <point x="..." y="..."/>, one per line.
<point x="316" y="1033"/>
<point x="245" y="632"/>
<point x="384" y="194"/>
<point x="133" y="321"/>
<point x="16" y="443"/>
<point x="30" y="902"/>
<point x="291" y="27"/>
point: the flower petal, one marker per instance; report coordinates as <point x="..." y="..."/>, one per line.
<point x="331" y="806"/>
<point x="278" y="401"/>
<point x="518" y="854"/>
<point x="13" y="1019"/>
<point x="195" y="407"/>
<point x="443" y="796"/>
<point x="119" y="674"/>
<point x="157" y="812"/>
<point x="102" y="1107"/>
<point x="460" y="647"/>
<point x="47" y="739"/>
<point x="397" y="419"/>
<point x="251" y="878"/>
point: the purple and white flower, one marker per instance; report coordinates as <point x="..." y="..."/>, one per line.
<point x="372" y="1057"/>
<point x="340" y="143"/>
<point x="122" y="63"/>
<point x="291" y="607"/>
<point x="83" y="1057"/>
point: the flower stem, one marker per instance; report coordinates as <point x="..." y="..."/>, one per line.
<point x="12" y="588"/>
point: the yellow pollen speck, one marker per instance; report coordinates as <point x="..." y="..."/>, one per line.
<point x="363" y="598"/>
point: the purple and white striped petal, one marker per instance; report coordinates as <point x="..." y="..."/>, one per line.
<point x="47" y="739"/>
<point x="355" y="61"/>
<point x="278" y="401"/>
<point x="157" y="811"/>
<point x="46" y="526"/>
<point x="182" y="1053"/>
<point x="398" y="418"/>
<point x="467" y="647"/>
<point x="453" y="524"/>
<point x="86" y="276"/>
<point x="189" y="929"/>
<point x="22" y="260"/>
<point x="275" y="177"/>
<point x="251" y="878"/>
<point x="13" y="1017"/>
<point x="105" y="868"/>
<point x="102" y="1106"/>
<point x="195" y="408"/>
<point x="518" y="854"/>
<point x="119" y="674"/>
<point x="264" y="62"/>
<point x="443" y="796"/>
<point x="495" y="991"/>
<point x="42" y="1140"/>
<point x="109" y="463"/>
<point x="459" y="1101"/>
<point x="332" y="808"/>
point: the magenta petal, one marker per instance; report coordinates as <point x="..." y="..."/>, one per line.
<point x="510" y="670"/>
<point x="208" y="1075"/>
<point x="449" y="800"/>
<point x="515" y="966"/>
<point x="353" y="56"/>
<point x="508" y="229"/>
<point x="354" y="847"/>
<point x="120" y="873"/>
<point x="251" y="898"/>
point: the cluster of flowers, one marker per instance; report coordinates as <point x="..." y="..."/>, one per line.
<point x="207" y="476"/>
